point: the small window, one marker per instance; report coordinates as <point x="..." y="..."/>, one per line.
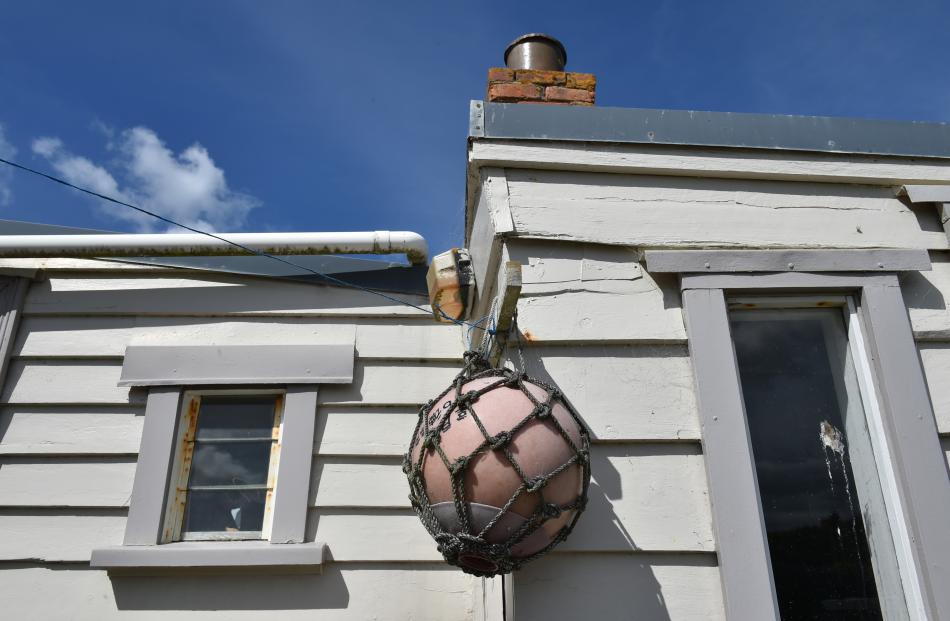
<point x="226" y="469"/>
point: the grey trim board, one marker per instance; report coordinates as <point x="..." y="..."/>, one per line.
<point x="712" y="129"/>
<point x="744" y="565"/>
<point x="237" y="365"/>
<point x="293" y="469"/>
<point x="680" y="261"/>
<point x="927" y="193"/>
<point x="788" y="281"/>
<point x="156" y="457"/>
<point x="911" y="428"/>
<point x="12" y="293"/>
<point x="221" y="556"/>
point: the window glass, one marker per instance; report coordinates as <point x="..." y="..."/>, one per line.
<point x="228" y="463"/>
<point x="818" y="485"/>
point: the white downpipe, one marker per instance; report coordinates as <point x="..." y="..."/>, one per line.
<point x="183" y="244"/>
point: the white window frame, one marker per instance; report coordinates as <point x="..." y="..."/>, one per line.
<point x="907" y="424"/>
<point x="168" y="373"/>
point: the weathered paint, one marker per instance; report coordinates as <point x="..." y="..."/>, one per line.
<point x="702" y="213"/>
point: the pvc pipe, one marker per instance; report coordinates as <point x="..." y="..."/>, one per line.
<point x="183" y="244"/>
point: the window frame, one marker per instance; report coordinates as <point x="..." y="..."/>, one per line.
<point x="169" y="373"/>
<point x="908" y="422"/>
<point x="178" y="480"/>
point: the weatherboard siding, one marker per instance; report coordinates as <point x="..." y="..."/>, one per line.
<point x="344" y="591"/>
<point x="69" y="438"/>
<point x="612" y="336"/>
<point x="683" y="212"/>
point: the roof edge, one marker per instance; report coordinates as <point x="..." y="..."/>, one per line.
<point x="709" y="129"/>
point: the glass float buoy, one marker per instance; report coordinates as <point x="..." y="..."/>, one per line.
<point x="498" y="467"/>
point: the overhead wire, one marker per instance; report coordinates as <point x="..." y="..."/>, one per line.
<point x="249" y="250"/>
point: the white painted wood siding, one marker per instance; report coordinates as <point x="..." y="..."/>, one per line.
<point x="69" y="437"/>
<point x="344" y="591"/>
<point x="684" y="212"/>
<point x="612" y="335"/>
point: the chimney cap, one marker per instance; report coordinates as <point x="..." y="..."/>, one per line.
<point x="555" y="58"/>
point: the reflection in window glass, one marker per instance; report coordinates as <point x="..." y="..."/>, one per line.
<point x="814" y="466"/>
<point x="230" y="447"/>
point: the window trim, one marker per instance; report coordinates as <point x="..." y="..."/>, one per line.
<point x="907" y="415"/>
<point x="178" y="481"/>
<point x="142" y="549"/>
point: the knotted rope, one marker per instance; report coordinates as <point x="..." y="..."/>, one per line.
<point x="467" y="542"/>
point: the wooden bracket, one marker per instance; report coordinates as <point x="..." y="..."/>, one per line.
<point x="508" y="294"/>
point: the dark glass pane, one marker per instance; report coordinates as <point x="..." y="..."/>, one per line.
<point x="230" y="463"/>
<point x="218" y="511"/>
<point x="817" y="540"/>
<point x="236" y="417"/>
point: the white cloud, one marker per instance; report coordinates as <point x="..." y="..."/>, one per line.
<point x="188" y="187"/>
<point x="7" y="151"/>
<point x="47" y="146"/>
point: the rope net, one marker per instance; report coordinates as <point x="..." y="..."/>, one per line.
<point x="520" y="485"/>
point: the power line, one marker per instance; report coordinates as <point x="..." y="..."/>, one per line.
<point x="241" y="246"/>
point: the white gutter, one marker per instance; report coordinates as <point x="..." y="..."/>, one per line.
<point x="182" y="244"/>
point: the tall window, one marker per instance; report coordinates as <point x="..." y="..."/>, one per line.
<point x="226" y="468"/>
<point x="827" y="528"/>
<point x="827" y="481"/>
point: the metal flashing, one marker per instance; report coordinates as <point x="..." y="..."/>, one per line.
<point x="476" y="119"/>
<point x="713" y="129"/>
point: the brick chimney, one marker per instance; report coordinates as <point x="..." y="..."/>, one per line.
<point x="534" y="73"/>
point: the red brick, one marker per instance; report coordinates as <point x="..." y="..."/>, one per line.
<point x="500" y="74"/>
<point x="514" y="91"/>
<point x="586" y="81"/>
<point x="537" y="76"/>
<point x="571" y="95"/>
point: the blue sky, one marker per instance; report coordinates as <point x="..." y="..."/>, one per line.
<point x="323" y="116"/>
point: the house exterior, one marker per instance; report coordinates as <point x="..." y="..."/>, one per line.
<point x="640" y="238"/>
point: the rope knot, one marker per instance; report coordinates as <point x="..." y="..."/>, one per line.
<point x="535" y="484"/>
<point x="551" y="510"/>
<point x="465" y="399"/>
<point x="458" y="465"/>
<point x="500" y="440"/>
<point x="496" y="551"/>
<point x="542" y="410"/>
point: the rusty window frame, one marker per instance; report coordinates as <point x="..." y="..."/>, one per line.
<point x="181" y="468"/>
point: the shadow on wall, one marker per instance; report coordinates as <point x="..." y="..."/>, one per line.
<point x="232" y="592"/>
<point x="568" y="585"/>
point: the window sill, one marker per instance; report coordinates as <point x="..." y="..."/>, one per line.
<point x="211" y="557"/>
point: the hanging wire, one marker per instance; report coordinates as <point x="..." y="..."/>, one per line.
<point x="247" y="249"/>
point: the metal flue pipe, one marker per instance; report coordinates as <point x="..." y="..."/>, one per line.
<point x="184" y="244"/>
